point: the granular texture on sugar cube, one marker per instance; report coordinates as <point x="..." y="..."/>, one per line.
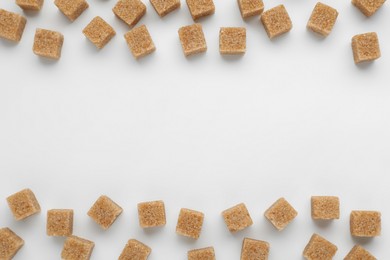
<point x="71" y="8"/>
<point x="325" y="207"/>
<point x="99" y="32"/>
<point x="129" y="11"/>
<point x="59" y="222"/>
<point x="237" y="218"/>
<point x="190" y="223"/>
<point x="23" y="204"/>
<point x="151" y="214"/>
<point x="11" y="25"/>
<point x="319" y="248"/>
<point x="200" y="8"/>
<point x="134" y="249"/>
<point x="140" y="42"/>
<point x="192" y="39"/>
<point x="280" y="214"/>
<point x="48" y="44"/>
<point x="368" y="7"/>
<point x="365" y="47"/>
<point x="164" y="7"/>
<point x="322" y="19"/>
<point x="276" y="21"/>
<point x="365" y="223"/>
<point x="30" y="5"/>
<point x="77" y="248"/>
<point x="104" y="212"/>
<point x="232" y="40"/>
<point x="201" y="254"/>
<point x="10" y="243"/>
<point x="250" y="8"/>
<point x="359" y="253"/>
<point x="253" y="249"/>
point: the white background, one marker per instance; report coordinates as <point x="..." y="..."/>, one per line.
<point x="294" y="117"/>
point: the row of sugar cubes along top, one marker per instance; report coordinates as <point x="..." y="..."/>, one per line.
<point x="105" y="211"/>
<point x="276" y="22"/>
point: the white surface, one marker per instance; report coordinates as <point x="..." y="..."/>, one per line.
<point x="294" y="117"/>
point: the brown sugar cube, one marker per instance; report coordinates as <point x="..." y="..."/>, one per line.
<point x="77" y="248"/>
<point x="129" y="11"/>
<point x="190" y="223"/>
<point x="30" y="5"/>
<point x="48" y="44"/>
<point x="104" y="212"/>
<point x="237" y="218"/>
<point x="192" y="39"/>
<point x="11" y="25"/>
<point x="254" y="249"/>
<point x="250" y="8"/>
<point x="276" y="21"/>
<point x="140" y="42"/>
<point x="201" y="254"/>
<point x="359" y="253"/>
<point x="200" y="8"/>
<point x="280" y="214"/>
<point x="99" y="32"/>
<point x="365" y="47"/>
<point x="365" y="223"/>
<point x="164" y="7"/>
<point x="322" y="19"/>
<point x="71" y="8"/>
<point x="134" y="249"/>
<point x="232" y="40"/>
<point x="319" y="248"/>
<point x="59" y="222"/>
<point x="368" y="7"/>
<point x="325" y="207"/>
<point x="10" y="243"/>
<point x="151" y="214"/>
<point x="23" y="204"/>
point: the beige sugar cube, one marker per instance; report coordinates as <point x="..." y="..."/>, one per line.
<point x="30" y="5"/>
<point x="325" y="207"/>
<point x="365" y="47"/>
<point x="359" y="253"/>
<point x="77" y="248"/>
<point x="129" y="11"/>
<point x="253" y="249"/>
<point x="237" y="218"/>
<point x="192" y="39"/>
<point x="365" y="223"/>
<point x="280" y="214"/>
<point x="322" y="19"/>
<point x="48" y="44"/>
<point x="10" y="243"/>
<point x="319" y="248"/>
<point x="250" y="8"/>
<point x="190" y="223"/>
<point x="135" y="250"/>
<point x="11" y="25"/>
<point x="232" y="40"/>
<point x="99" y="32"/>
<point x="59" y="222"/>
<point x="104" y="212"/>
<point x="72" y="9"/>
<point x="276" y="21"/>
<point x="23" y="204"/>
<point x="200" y="8"/>
<point x="151" y="214"/>
<point x="368" y="7"/>
<point x="164" y="7"/>
<point x="140" y="42"/>
<point x="201" y="254"/>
